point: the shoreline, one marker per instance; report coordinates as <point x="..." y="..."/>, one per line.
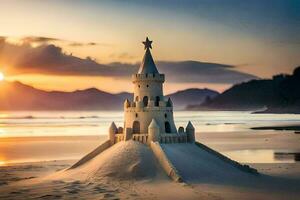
<point x="14" y="149"/>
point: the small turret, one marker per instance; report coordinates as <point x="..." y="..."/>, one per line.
<point x="153" y="131"/>
<point x="180" y="130"/>
<point x="126" y="103"/>
<point x="190" y="131"/>
<point x="169" y="102"/>
<point x="112" y="131"/>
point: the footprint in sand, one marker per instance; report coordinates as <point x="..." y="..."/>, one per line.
<point x="110" y="196"/>
<point x="49" y="196"/>
<point x="99" y="189"/>
<point x="73" y="191"/>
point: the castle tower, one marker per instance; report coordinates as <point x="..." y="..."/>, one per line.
<point x="149" y="101"/>
<point x="149" y="117"/>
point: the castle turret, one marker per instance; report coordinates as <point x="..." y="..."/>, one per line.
<point x="113" y="130"/>
<point x="169" y="102"/>
<point x="126" y="104"/>
<point x="153" y="131"/>
<point x="190" y="131"/>
<point x="148" y="81"/>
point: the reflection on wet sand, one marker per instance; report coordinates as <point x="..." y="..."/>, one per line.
<point x="287" y="156"/>
<point x="263" y="156"/>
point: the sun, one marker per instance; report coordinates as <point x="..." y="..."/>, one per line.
<point x="1" y="76"/>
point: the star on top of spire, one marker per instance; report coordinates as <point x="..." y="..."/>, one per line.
<point x="147" y="43"/>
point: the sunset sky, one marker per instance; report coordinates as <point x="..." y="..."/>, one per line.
<point x="68" y="45"/>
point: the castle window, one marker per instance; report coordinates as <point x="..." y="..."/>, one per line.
<point x="166" y="116"/>
<point x="157" y="99"/>
<point x="167" y="127"/>
<point x="136" y="115"/>
<point x="139" y="86"/>
<point x="145" y="101"/>
<point x="147" y="85"/>
<point x="146" y="75"/>
<point x="136" y="127"/>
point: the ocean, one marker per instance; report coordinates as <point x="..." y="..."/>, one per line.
<point x="43" y="135"/>
<point x="83" y="123"/>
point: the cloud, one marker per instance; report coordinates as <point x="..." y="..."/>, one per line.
<point x="122" y="56"/>
<point x="34" y="39"/>
<point x="193" y="72"/>
<point x="50" y="59"/>
<point x="80" y="44"/>
<point x="50" y="40"/>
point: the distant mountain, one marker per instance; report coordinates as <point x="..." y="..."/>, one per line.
<point x="181" y="99"/>
<point x="18" y="96"/>
<point x="125" y="95"/>
<point x="281" y="94"/>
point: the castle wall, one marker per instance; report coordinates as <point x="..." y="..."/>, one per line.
<point x="144" y="116"/>
<point x="149" y="85"/>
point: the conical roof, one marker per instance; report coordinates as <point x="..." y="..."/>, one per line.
<point x="153" y="124"/>
<point x="190" y="125"/>
<point x="148" y="66"/>
<point x="113" y="127"/>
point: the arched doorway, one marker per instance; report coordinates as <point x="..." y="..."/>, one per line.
<point x="167" y="127"/>
<point x="157" y="99"/>
<point x="136" y="127"/>
<point x="145" y="101"/>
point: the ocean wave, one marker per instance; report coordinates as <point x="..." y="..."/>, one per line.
<point x="17" y="117"/>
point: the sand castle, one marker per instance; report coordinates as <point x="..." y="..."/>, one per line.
<point x="149" y="117"/>
<point x="149" y="136"/>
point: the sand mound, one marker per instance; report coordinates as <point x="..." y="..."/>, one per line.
<point x="124" y="160"/>
<point x="197" y="165"/>
<point x="112" y="174"/>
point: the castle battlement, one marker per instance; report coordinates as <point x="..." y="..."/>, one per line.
<point x="148" y="77"/>
<point x="151" y="105"/>
<point x="148" y="109"/>
<point x="187" y="136"/>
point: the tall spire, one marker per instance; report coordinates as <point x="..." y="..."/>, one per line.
<point x="148" y="65"/>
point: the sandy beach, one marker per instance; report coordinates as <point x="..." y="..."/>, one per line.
<point x="19" y="181"/>
<point x="48" y="180"/>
